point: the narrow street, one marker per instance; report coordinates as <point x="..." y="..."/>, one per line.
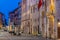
<point x="6" y="36"/>
<point x="30" y="20"/>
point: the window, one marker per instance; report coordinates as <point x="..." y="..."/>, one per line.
<point x="33" y="9"/>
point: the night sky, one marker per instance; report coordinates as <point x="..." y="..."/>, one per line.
<point x="7" y="6"/>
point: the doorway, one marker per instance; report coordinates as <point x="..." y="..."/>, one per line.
<point x="58" y="32"/>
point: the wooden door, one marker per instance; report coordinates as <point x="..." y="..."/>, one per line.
<point x="58" y="32"/>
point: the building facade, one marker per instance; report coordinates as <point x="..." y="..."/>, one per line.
<point x="15" y="19"/>
<point x="34" y="17"/>
<point x="48" y="19"/>
<point x="29" y="22"/>
<point x="11" y="21"/>
<point x="43" y="21"/>
<point x="58" y="17"/>
<point x="25" y="21"/>
<point x="1" y="20"/>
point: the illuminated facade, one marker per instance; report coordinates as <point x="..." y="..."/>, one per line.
<point x="34" y="17"/>
<point x="29" y="22"/>
<point x="25" y="20"/>
<point x="48" y="20"/>
<point x="43" y="21"/>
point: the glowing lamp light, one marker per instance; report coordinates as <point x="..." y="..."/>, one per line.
<point x="59" y="23"/>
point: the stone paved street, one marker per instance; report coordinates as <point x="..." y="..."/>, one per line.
<point x="7" y="36"/>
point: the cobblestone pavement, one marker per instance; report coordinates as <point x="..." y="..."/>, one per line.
<point x="7" y="36"/>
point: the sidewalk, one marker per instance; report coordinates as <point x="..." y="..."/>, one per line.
<point x="38" y="36"/>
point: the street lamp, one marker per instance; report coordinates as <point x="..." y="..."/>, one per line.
<point x="58" y="23"/>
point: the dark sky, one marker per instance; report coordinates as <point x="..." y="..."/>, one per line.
<point x="8" y="5"/>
